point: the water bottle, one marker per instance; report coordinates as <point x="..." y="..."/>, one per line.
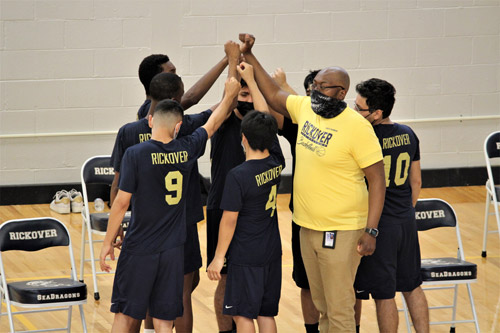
<point x="98" y="205"/>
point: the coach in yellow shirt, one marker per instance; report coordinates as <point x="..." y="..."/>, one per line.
<point x="336" y="149"/>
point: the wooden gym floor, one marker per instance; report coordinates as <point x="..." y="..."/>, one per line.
<point x="468" y="203"/>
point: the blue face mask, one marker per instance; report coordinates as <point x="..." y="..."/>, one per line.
<point x="326" y="106"/>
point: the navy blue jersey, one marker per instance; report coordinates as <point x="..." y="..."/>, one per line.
<point x="139" y="131"/>
<point x="157" y="175"/>
<point x="144" y="109"/>
<point x="289" y="132"/>
<point x="400" y="147"/>
<point x="225" y="153"/>
<point x="251" y="189"/>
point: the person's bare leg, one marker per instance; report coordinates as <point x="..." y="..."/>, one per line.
<point x="162" y="326"/>
<point x="184" y="324"/>
<point x="387" y="315"/>
<point x="266" y="324"/>
<point x="419" y="310"/>
<point x="357" y="311"/>
<point x="224" y="322"/>
<point x="148" y="322"/>
<point x="309" y="312"/>
<point x="244" y="324"/>
<point x="123" y="323"/>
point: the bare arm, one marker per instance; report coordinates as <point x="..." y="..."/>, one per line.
<point x="226" y="232"/>
<point x="118" y="210"/>
<point x="226" y="106"/>
<point x="114" y="188"/>
<point x="279" y="77"/>
<point x="274" y="95"/>
<point x="375" y="176"/>
<point x="201" y="87"/>
<point x="246" y="72"/>
<point x="415" y="181"/>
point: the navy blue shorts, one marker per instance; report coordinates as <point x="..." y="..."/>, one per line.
<point x="299" y="271"/>
<point x="253" y="291"/>
<point x="213" y="221"/>
<point x="192" y="253"/>
<point x="395" y="264"/>
<point x="152" y="281"/>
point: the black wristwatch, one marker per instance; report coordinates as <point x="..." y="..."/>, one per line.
<point x="372" y="232"/>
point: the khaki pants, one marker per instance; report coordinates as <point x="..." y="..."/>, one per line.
<point x="331" y="274"/>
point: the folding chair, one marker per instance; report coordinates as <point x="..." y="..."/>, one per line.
<point x="491" y="150"/>
<point x="95" y="170"/>
<point x="44" y="295"/>
<point x="437" y="213"/>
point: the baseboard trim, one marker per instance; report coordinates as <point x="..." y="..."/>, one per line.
<point x="42" y="194"/>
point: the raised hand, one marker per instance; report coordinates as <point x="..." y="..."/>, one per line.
<point x="247" y="41"/>
<point x="232" y="50"/>
<point x="232" y="87"/>
<point x="246" y="71"/>
<point x="279" y="76"/>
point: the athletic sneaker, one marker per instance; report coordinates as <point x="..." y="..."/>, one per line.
<point x="61" y="203"/>
<point x="76" y="201"/>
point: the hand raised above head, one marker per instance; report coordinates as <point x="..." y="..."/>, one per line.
<point x="247" y="41"/>
<point x="246" y="71"/>
<point x="279" y="76"/>
<point x="232" y="49"/>
<point x="232" y="87"/>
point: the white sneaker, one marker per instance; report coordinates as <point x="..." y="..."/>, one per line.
<point x="61" y="202"/>
<point x="76" y="201"/>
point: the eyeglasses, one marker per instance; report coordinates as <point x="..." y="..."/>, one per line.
<point x="357" y="108"/>
<point x="322" y="87"/>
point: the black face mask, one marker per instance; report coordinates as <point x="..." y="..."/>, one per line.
<point x="326" y="106"/>
<point x="244" y="107"/>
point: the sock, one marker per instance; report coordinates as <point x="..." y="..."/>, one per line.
<point x="149" y="330"/>
<point x="312" y="328"/>
<point x="357" y="328"/>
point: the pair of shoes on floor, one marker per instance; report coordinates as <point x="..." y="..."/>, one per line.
<point x="65" y="202"/>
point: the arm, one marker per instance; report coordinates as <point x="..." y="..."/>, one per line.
<point x="246" y="72"/>
<point x="375" y="176"/>
<point x="279" y="77"/>
<point x="415" y="181"/>
<point x="226" y="232"/>
<point x="201" y="87"/>
<point x="114" y="188"/>
<point x="118" y="210"/>
<point x="274" y="95"/>
<point x="226" y="106"/>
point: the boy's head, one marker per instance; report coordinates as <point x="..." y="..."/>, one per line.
<point x="375" y="97"/>
<point x="168" y="115"/>
<point x="166" y="86"/>
<point x="259" y="129"/>
<point x="308" y="81"/>
<point x="152" y="65"/>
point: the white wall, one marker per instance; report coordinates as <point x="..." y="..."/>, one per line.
<point x="71" y="66"/>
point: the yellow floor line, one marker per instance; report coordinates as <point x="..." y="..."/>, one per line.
<point x="46" y="277"/>
<point x="29" y="326"/>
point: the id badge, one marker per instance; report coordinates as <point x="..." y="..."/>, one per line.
<point x="329" y="238"/>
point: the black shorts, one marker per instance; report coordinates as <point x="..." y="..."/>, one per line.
<point x="394" y="266"/>
<point x="299" y="271"/>
<point x="253" y="291"/>
<point x="213" y="221"/>
<point x="192" y="254"/>
<point x="152" y="281"/>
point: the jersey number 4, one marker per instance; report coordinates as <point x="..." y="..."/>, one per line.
<point x="401" y="174"/>
<point x="271" y="202"/>
<point x="173" y="183"/>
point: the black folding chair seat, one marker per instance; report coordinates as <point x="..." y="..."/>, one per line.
<point x="99" y="221"/>
<point x="47" y="291"/>
<point x="447" y="269"/>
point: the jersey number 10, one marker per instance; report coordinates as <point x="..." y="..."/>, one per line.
<point x="400" y="175"/>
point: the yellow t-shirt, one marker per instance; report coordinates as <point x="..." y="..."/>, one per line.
<point x="329" y="190"/>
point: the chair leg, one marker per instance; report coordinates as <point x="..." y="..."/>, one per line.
<point x="497" y="215"/>
<point x="485" y="230"/>
<point x="70" y="311"/>
<point x="92" y="264"/>
<point x="473" y="307"/>
<point x="9" y="313"/>
<point x="82" y="316"/>
<point x="82" y="254"/>
<point x="407" y="317"/>
<point x="454" y="313"/>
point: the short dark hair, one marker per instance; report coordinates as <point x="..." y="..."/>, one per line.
<point x="243" y="83"/>
<point x="149" y="67"/>
<point x="167" y="106"/>
<point x="310" y="78"/>
<point x="379" y="94"/>
<point x="165" y="85"/>
<point x="260" y="129"/>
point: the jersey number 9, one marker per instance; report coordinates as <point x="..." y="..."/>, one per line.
<point x="173" y="183"/>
